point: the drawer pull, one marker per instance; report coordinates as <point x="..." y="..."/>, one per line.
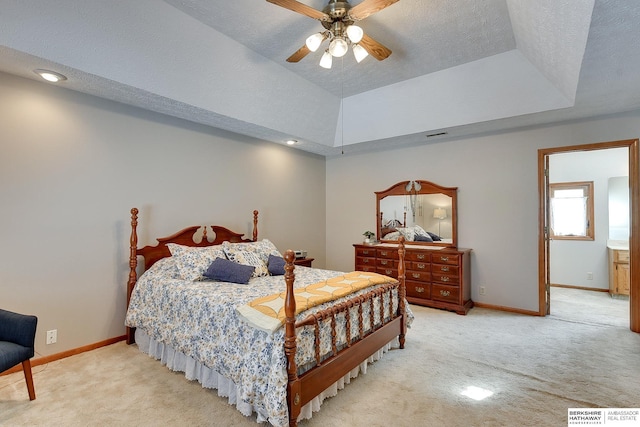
<point x="422" y="266"/>
<point x="444" y="278"/>
<point x="444" y="258"/>
<point x="420" y="290"/>
<point x="445" y="293"/>
<point x="416" y="275"/>
<point x="444" y="268"/>
<point x="420" y="256"/>
<point x="384" y="253"/>
<point x="365" y="261"/>
<point x="384" y="262"/>
<point x="388" y="271"/>
<point x="365" y="252"/>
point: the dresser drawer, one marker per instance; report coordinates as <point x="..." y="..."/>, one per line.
<point x="449" y="270"/>
<point x="449" y="259"/>
<point x="448" y="279"/>
<point x="366" y="267"/>
<point x="388" y="253"/>
<point x="420" y="256"/>
<point x="418" y="266"/>
<point x="418" y="290"/>
<point x="388" y="271"/>
<point x="366" y="252"/>
<point x="365" y="261"/>
<point x="419" y="276"/>
<point x="621" y="256"/>
<point x="386" y="263"/>
<point x="445" y="293"/>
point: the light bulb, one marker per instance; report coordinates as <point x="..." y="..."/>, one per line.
<point x="326" y="60"/>
<point x="338" y="47"/>
<point x="50" y="76"/>
<point x="359" y="52"/>
<point x="355" y="33"/>
<point x="314" y="41"/>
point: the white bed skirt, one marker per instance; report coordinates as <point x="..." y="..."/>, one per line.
<point x="194" y="370"/>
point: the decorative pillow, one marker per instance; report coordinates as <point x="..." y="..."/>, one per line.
<point x="193" y="262"/>
<point x="276" y="265"/>
<point x="395" y="235"/>
<point x="247" y="257"/>
<point x="420" y="231"/>
<point x="421" y="238"/>
<point x="409" y="233"/>
<point x="434" y="237"/>
<point x="252" y="253"/>
<point x="224" y="270"/>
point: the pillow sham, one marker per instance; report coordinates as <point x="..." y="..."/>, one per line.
<point x="408" y="232"/>
<point x="276" y="265"/>
<point x="223" y="270"/>
<point x="246" y="257"/>
<point x="252" y="253"/>
<point x="192" y="262"/>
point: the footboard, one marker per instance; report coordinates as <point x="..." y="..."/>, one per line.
<point x="301" y="389"/>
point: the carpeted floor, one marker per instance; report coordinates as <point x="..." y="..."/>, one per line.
<point x="535" y="367"/>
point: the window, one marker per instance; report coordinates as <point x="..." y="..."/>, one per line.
<point x="572" y="210"/>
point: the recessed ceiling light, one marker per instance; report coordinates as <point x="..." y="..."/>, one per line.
<point x="292" y="142"/>
<point x="50" y="76"/>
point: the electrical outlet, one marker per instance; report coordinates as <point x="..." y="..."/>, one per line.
<point x="52" y="336"/>
<point x="589" y="275"/>
<point x="482" y="290"/>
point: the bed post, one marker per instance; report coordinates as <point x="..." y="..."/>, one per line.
<point x="402" y="293"/>
<point x="293" y="385"/>
<point x="133" y="263"/>
<point x="255" y="226"/>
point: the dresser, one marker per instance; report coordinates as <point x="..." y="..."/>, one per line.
<point x="439" y="278"/>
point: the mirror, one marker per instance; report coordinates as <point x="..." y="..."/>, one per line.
<point x="418" y="210"/>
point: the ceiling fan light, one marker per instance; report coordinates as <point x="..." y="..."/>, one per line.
<point x="355" y="33"/>
<point x="326" y="60"/>
<point x="359" y="52"/>
<point x="338" y="47"/>
<point x="314" y="41"/>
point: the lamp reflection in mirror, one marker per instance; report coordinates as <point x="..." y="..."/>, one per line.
<point x="439" y="214"/>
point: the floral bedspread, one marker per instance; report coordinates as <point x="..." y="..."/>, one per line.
<point x="200" y="320"/>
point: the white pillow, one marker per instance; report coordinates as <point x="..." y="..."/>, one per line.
<point x="192" y="262"/>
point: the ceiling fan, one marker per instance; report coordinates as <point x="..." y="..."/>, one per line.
<point x="338" y="18"/>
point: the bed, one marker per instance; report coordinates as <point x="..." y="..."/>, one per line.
<point x="280" y="369"/>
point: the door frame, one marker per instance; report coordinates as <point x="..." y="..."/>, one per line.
<point x="634" y="217"/>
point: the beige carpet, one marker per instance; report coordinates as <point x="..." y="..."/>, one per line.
<point x="535" y="367"/>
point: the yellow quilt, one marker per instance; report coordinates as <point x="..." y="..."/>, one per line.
<point x="267" y="313"/>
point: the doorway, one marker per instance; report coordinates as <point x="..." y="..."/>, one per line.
<point x="634" y="216"/>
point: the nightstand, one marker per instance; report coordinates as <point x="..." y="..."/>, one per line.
<point x="306" y="262"/>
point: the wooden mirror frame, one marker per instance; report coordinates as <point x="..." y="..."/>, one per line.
<point x="426" y="187"/>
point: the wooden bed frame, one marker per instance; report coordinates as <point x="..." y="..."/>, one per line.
<point x="301" y="389"/>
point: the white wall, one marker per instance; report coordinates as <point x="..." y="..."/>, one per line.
<point x="71" y="168"/>
<point x="496" y="176"/>
<point x="571" y="260"/>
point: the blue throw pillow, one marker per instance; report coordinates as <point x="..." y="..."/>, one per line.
<point x="276" y="265"/>
<point x="420" y="238"/>
<point x="434" y="237"/>
<point x="224" y="270"/>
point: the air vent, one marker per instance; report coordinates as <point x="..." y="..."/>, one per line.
<point x="431" y="135"/>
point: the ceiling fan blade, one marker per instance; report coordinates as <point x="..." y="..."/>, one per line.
<point x="368" y="7"/>
<point x="374" y="48"/>
<point x="299" y="54"/>
<point x="301" y="8"/>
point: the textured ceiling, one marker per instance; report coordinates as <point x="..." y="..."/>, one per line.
<point x="458" y="66"/>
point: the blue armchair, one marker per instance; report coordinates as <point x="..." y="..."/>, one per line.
<point x="17" y="337"/>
